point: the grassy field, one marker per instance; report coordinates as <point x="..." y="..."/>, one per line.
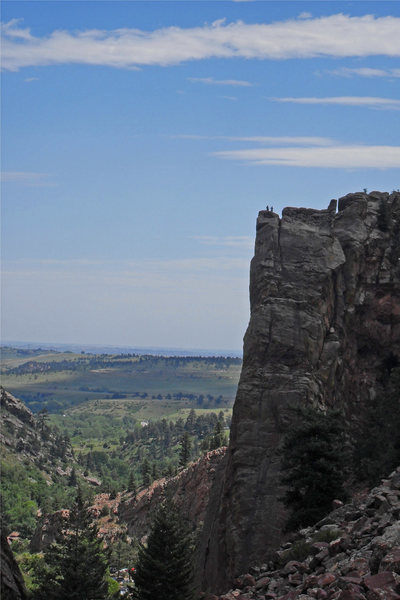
<point x="148" y="385"/>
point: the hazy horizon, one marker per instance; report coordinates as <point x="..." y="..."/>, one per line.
<point x="116" y="349"/>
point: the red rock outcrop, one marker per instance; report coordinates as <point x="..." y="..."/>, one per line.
<point x="126" y="514"/>
<point x="324" y="328"/>
<point x="190" y="490"/>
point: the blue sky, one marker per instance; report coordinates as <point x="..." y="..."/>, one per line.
<point x="140" y="140"/>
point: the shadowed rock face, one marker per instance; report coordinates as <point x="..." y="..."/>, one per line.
<point x="324" y="330"/>
<point x="12" y="582"/>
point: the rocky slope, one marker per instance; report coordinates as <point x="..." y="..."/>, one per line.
<point x="127" y="514"/>
<point x="25" y="437"/>
<point x="324" y="330"/>
<point x="190" y="490"/>
<point x="352" y="554"/>
<point x="105" y="512"/>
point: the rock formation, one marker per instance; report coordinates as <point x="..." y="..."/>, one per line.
<point x="352" y="554"/>
<point x="25" y="438"/>
<point x="190" y="490"/>
<point x="12" y="582"/>
<point x="324" y="330"/>
<point x="127" y="514"/>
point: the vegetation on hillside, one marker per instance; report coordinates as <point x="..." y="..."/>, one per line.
<point x="377" y="449"/>
<point x="59" y="380"/>
<point x="313" y="465"/>
<point x="75" y="566"/>
<point x="165" y="564"/>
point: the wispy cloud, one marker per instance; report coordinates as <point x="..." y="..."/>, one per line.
<point x="337" y="157"/>
<point x="29" y="79"/>
<point x="336" y="35"/>
<point x="365" y="72"/>
<point x="212" y="81"/>
<point x="238" y="241"/>
<point x="367" y="101"/>
<point x="26" y="178"/>
<point x="265" y="139"/>
<point x="188" y="300"/>
<point x="146" y="265"/>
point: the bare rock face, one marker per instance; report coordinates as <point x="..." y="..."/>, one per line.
<point x="12" y="582"/>
<point x="190" y="490"/>
<point x="324" y="330"/>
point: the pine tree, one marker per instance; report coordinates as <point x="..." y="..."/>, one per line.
<point x="73" y="481"/>
<point x="377" y="449"/>
<point x="132" y="485"/>
<point x="164" y="569"/>
<point x="191" y="421"/>
<point x="218" y="436"/>
<point x="313" y="466"/>
<point x="146" y="472"/>
<point x="185" y="450"/>
<point x="75" y="565"/>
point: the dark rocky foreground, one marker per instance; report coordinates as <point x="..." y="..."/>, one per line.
<point x="12" y="582"/>
<point x="324" y="331"/>
<point x="352" y="554"/>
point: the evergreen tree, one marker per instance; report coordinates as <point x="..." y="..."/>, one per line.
<point x="73" y="481"/>
<point x="377" y="449"/>
<point x="313" y="465"/>
<point x="185" y="450"/>
<point x="146" y="472"/>
<point x="75" y="565"/>
<point x="164" y="569"/>
<point x="191" y="421"/>
<point x="218" y="436"/>
<point x="42" y="419"/>
<point x="132" y="485"/>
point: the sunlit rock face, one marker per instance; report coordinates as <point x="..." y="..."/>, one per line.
<point x="324" y="330"/>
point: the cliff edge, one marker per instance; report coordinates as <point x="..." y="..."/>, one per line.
<point x="324" y="330"/>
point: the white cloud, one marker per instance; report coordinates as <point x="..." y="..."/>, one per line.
<point x="212" y="81"/>
<point x="305" y="15"/>
<point x="238" y="241"/>
<point x="368" y="101"/>
<point x="365" y="72"/>
<point x="135" y="268"/>
<point x="264" y="139"/>
<point x="25" y="178"/>
<point x="337" y="157"/>
<point x="29" y="79"/>
<point x="336" y="35"/>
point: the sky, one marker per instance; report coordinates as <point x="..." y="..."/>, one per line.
<point x="140" y="140"/>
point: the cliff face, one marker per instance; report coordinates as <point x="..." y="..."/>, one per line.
<point x="12" y="582"/>
<point x="190" y="490"/>
<point x="324" y="329"/>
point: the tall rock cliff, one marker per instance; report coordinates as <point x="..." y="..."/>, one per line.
<point x="324" y="330"/>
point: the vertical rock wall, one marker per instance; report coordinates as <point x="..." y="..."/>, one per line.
<point x="324" y="328"/>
